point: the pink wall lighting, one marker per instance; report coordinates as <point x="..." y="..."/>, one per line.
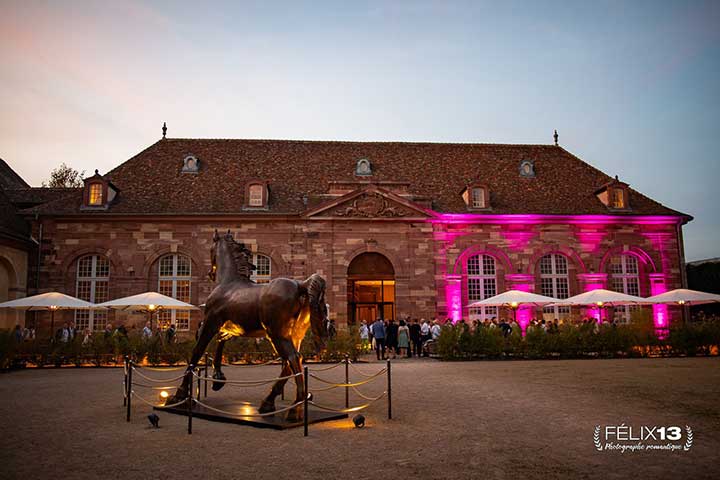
<point x="453" y="297"/>
<point x="660" y="312"/>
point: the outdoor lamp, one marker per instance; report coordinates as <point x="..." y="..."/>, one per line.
<point x="599" y="304"/>
<point x="164" y="395"/>
<point x="514" y="304"/>
<point x="359" y="421"/>
<point x="154" y="420"/>
<point x="681" y="302"/>
<point x="152" y="307"/>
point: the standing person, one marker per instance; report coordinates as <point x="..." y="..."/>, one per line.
<point x="170" y="334"/>
<point x="391" y="338"/>
<point x="18" y="334"/>
<point x="65" y="336"/>
<point x="364" y="336"/>
<point x="435" y="330"/>
<point x="87" y="336"/>
<point x="415" y="337"/>
<point x="108" y="331"/>
<point x="424" y="331"/>
<point x="404" y="339"/>
<point x="378" y="333"/>
<point x="332" y="331"/>
<point x="147" y="331"/>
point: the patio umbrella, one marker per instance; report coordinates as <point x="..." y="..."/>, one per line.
<point x="602" y="298"/>
<point x="149" y="302"/>
<point x="515" y="299"/>
<point x="683" y="296"/>
<point x="50" y="301"/>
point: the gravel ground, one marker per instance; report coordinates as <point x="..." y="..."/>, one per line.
<point x="520" y="419"/>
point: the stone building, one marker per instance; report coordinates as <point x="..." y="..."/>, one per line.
<point x="421" y="229"/>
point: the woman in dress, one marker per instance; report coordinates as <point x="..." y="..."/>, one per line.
<point x="403" y="339"/>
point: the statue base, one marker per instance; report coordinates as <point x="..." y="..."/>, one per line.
<point x="241" y="414"/>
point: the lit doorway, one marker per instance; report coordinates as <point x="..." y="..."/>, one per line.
<point x="371" y="288"/>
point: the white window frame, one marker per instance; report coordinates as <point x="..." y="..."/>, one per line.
<point x="556" y="277"/>
<point x="255" y="200"/>
<point x="258" y="277"/>
<point x="486" y="286"/>
<point x="99" y="190"/>
<point x="175" y="278"/>
<point x="477" y="197"/>
<point x="96" y="319"/>
<point x="627" y="277"/>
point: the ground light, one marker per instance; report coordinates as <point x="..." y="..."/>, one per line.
<point x="164" y="395"/>
<point x="359" y="420"/>
<point x="154" y="420"/>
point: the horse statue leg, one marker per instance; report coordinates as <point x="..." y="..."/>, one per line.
<point x="292" y="362"/>
<point x="217" y="365"/>
<point x="268" y="404"/>
<point x="208" y="331"/>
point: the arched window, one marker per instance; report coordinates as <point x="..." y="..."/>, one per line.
<point x="174" y="277"/>
<point x="624" y="278"/>
<point x="481" y="284"/>
<point x="255" y="193"/>
<point x="554" y="283"/>
<point x="92" y="285"/>
<point x="263" y="274"/>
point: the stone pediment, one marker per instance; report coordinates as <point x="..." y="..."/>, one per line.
<point x="370" y="203"/>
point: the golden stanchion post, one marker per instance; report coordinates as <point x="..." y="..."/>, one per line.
<point x="389" y="390"/>
<point x="190" y="399"/>
<point x="207" y="363"/>
<point x="129" y="389"/>
<point x="306" y="413"/>
<point x="125" y="382"/>
<point x="347" y="381"/>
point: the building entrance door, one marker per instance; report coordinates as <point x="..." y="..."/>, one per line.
<point x="371" y="288"/>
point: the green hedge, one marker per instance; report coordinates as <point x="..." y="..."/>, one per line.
<point x="635" y="340"/>
<point x="109" y="351"/>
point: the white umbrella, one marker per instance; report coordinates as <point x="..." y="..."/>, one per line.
<point x="515" y="299"/>
<point x="601" y="297"/>
<point x="51" y="301"/>
<point x="150" y="302"/>
<point x="683" y="296"/>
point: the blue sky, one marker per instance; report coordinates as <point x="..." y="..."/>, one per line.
<point x="632" y="87"/>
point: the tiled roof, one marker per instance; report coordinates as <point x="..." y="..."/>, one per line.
<point x="9" y="178"/>
<point x="152" y="183"/>
<point x="37" y="195"/>
<point x="12" y="226"/>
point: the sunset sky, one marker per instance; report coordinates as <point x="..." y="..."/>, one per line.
<point x="632" y="87"/>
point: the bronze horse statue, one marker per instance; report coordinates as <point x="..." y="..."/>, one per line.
<point x="281" y="310"/>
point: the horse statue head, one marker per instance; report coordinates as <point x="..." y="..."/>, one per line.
<point x="230" y="256"/>
<point x="315" y="288"/>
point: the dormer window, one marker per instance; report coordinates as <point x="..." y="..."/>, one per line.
<point x="363" y="168"/>
<point x="191" y="164"/>
<point x="95" y="195"/>
<point x="98" y="193"/>
<point x="476" y="197"/>
<point x="614" y="195"/>
<point x="617" y="198"/>
<point x="527" y="168"/>
<point x="256" y="195"/>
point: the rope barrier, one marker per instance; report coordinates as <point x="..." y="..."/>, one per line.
<point x="225" y="412"/>
<point x="371" y="399"/>
<point x="159" y="369"/>
<point x="157" y="380"/>
<point x="136" y="384"/>
<point x="343" y="410"/>
<point x="358" y="371"/>
<point x="355" y="384"/>
<point x="135" y="395"/>
<point x="246" y="382"/>
<point x="327" y="368"/>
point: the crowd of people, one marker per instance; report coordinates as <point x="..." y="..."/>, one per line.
<point x="405" y="338"/>
<point x="69" y="332"/>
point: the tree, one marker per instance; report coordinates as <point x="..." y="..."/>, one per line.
<point x="65" y="177"/>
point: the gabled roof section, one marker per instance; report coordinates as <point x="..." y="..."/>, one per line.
<point x="9" y="179"/>
<point x="370" y="202"/>
<point x="152" y="182"/>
